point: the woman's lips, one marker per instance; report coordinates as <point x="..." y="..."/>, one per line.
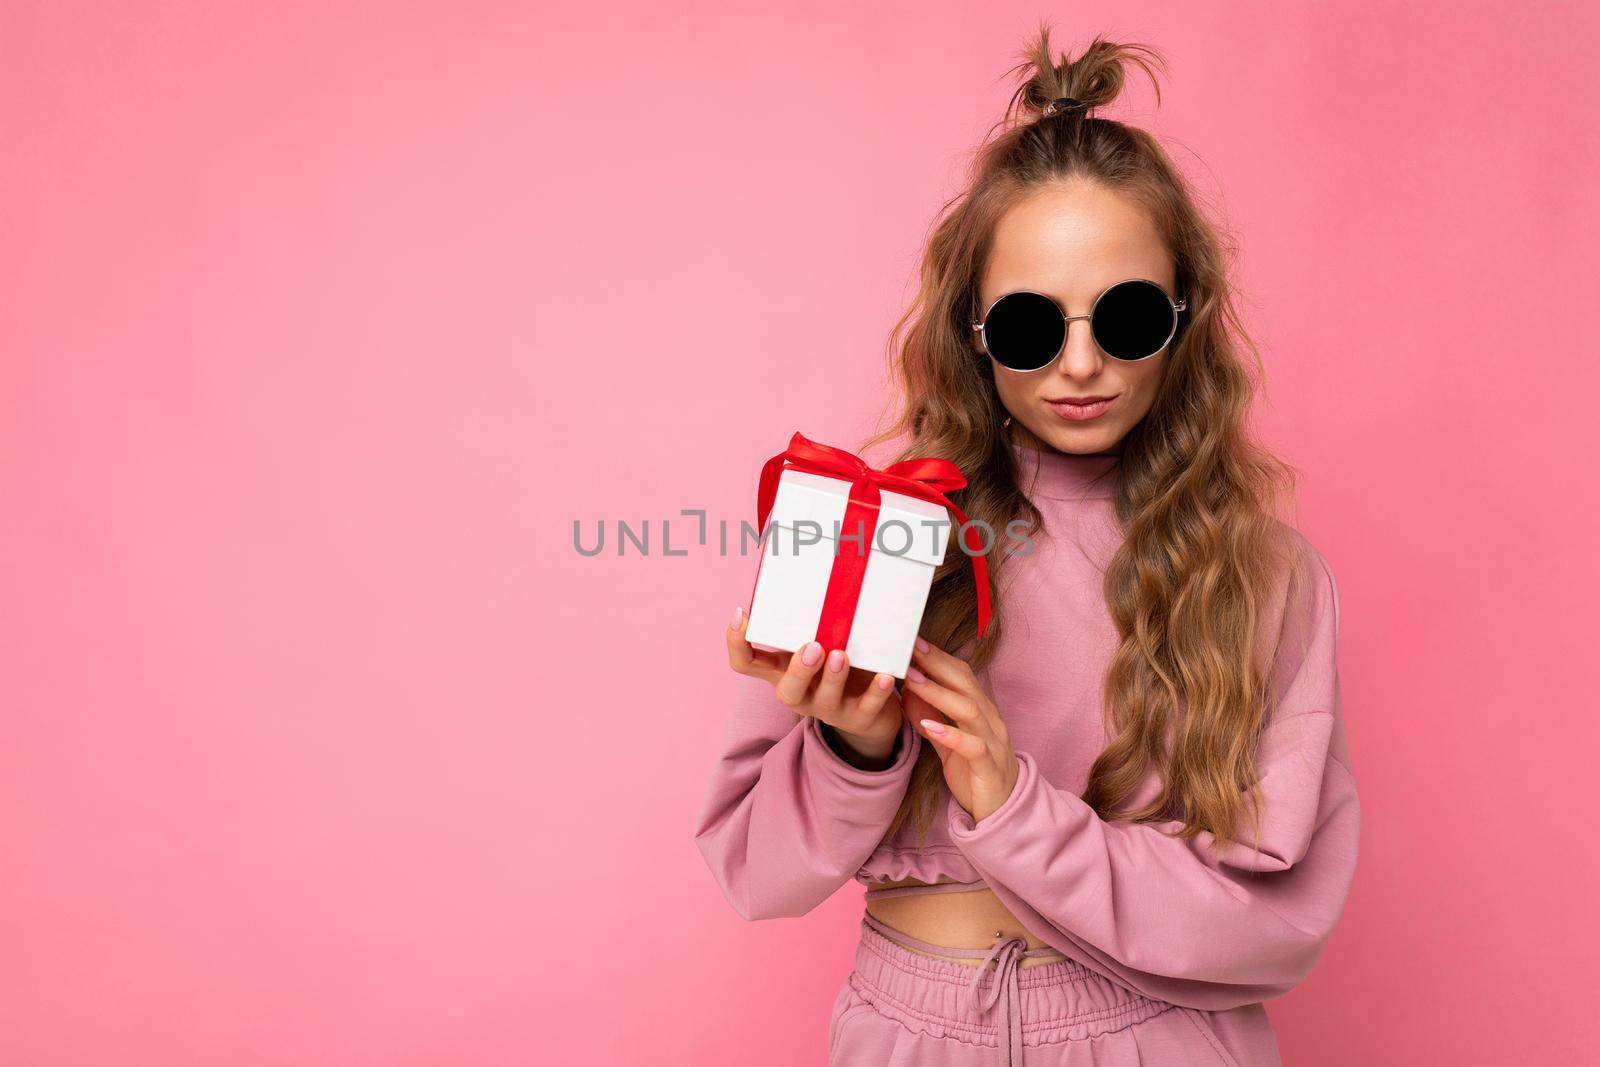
<point x="1077" y="411"/>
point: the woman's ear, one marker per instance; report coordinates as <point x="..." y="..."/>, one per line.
<point x="969" y="327"/>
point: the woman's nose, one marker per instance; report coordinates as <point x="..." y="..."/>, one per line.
<point x="1080" y="356"/>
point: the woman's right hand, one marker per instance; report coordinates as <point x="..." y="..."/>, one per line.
<point x="862" y="708"/>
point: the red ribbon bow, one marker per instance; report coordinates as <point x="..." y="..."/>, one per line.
<point x="926" y="479"/>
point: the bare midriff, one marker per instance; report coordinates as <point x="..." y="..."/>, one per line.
<point x="972" y="918"/>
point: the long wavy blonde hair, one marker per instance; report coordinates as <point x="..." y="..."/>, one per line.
<point x="1192" y="581"/>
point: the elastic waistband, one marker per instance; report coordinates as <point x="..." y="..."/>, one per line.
<point x="1006" y="1005"/>
<point x="917" y="889"/>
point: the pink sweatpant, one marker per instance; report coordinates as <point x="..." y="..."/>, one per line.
<point x="899" y="1007"/>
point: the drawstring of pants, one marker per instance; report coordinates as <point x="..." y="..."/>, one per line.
<point x="1003" y="999"/>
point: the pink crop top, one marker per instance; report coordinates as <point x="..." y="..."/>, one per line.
<point x="786" y="821"/>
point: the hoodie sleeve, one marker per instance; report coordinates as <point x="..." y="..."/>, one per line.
<point x="786" y="821"/>
<point x="1181" y="920"/>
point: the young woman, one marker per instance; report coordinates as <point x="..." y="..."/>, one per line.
<point x="1110" y="828"/>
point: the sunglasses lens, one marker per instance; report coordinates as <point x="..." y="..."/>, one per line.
<point x="1133" y="320"/>
<point x="1024" y="331"/>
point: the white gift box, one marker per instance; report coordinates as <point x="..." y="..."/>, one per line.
<point x="908" y="543"/>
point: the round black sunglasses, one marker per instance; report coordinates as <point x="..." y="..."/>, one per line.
<point x="1131" y="320"/>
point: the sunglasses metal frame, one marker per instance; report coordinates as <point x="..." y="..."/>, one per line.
<point x="1067" y="321"/>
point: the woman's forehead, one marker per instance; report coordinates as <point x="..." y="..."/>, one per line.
<point x="1072" y="241"/>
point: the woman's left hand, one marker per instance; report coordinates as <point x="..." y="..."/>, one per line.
<point x="979" y="766"/>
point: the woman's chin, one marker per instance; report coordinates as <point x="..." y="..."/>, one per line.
<point x="1082" y="438"/>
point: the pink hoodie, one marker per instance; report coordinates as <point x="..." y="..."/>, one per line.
<point x="786" y="821"/>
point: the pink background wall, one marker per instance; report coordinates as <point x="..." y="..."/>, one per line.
<point x="322" y="323"/>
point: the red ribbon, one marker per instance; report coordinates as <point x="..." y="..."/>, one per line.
<point x="926" y="479"/>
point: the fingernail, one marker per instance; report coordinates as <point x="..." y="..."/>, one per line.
<point x="738" y="617"/>
<point x="933" y="727"/>
<point x="915" y="675"/>
<point x="835" y="660"/>
<point x="922" y="646"/>
<point x="885" y="682"/>
<point x="811" y="655"/>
